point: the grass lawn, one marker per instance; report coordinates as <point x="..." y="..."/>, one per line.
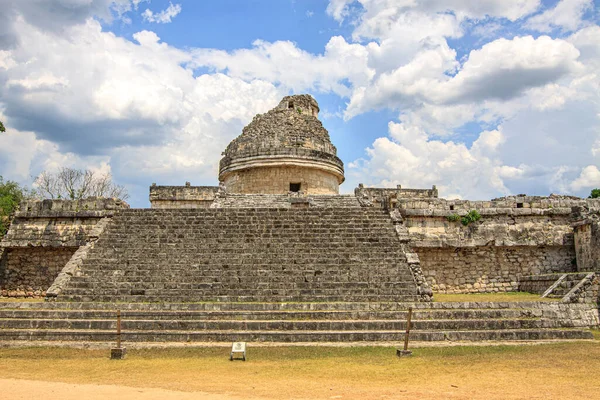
<point x="550" y="371"/>
<point x="506" y="296"/>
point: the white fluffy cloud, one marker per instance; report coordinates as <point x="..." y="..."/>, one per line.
<point x="410" y="158"/>
<point x="163" y="17"/>
<point x="283" y="63"/>
<point x="537" y="98"/>
<point x="88" y="98"/>
<point x="380" y="12"/>
<point x="566" y="15"/>
<point x="73" y="94"/>
<point x="589" y="178"/>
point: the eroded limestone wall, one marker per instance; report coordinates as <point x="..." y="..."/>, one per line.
<point x="29" y="271"/>
<point x="182" y="196"/>
<point x="587" y="245"/>
<point x="491" y="268"/>
<point x="276" y="180"/>
<point x="42" y="238"/>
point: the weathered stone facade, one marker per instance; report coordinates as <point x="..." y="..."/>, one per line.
<point x="587" y="236"/>
<point x="284" y="160"/>
<point x="490" y="269"/>
<point x="182" y="196"/>
<point x="43" y="237"/>
<point x="29" y="271"/>
<point x="276" y="180"/>
<point x="286" y="149"/>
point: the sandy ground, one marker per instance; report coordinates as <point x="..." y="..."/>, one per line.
<point x="17" y="389"/>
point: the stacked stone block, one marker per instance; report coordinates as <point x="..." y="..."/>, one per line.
<point x="350" y="254"/>
<point x="295" y="322"/>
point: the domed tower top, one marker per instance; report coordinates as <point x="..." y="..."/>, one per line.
<point x="286" y="149"/>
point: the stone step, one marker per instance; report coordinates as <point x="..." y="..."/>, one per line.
<point x="291" y="336"/>
<point x="254" y="254"/>
<point x="110" y="285"/>
<point x="440" y="314"/>
<point x="130" y="324"/>
<point x="526" y="306"/>
<point x="264" y="298"/>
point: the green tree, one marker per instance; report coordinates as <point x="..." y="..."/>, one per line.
<point x="595" y="194"/>
<point x="2" y="129"/>
<point x="11" y="195"/>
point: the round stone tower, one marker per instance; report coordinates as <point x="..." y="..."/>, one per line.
<point x="285" y="150"/>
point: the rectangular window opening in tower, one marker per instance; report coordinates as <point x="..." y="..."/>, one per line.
<point x="295" y="187"/>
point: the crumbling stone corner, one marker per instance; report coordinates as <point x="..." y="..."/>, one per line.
<point x="74" y="264"/>
<point x="412" y="258"/>
<point x="586" y="291"/>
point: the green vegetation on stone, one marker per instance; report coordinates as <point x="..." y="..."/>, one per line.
<point x="453" y="217"/>
<point x="595" y="194"/>
<point x="472" y="216"/>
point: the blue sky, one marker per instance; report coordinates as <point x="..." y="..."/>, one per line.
<point x="482" y="99"/>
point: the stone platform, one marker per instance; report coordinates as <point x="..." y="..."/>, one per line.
<point x="78" y="322"/>
<point x="252" y="254"/>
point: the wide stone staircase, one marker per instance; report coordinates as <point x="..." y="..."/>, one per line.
<point x="292" y="322"/>
<point x="266" y="275"/>
<point x="260" y="255"/>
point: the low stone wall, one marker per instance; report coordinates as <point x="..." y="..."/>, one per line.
<point x="230" y="200"/>
<point x="29" y="271"/>
<point x="58" y="223"/>
<point x="387" y="197"/>
<point x="182" y="196"/>
<point x="537" y="283"/>
<point x="490" y="269"/>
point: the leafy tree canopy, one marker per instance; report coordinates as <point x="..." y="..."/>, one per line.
<point x="595" y="194"/>
<point x="2" y="129"/>
<point x="11" y="195"/>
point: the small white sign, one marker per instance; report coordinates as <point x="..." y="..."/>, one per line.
<point x="238" y="347"/>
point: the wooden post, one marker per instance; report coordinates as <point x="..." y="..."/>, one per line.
<point x="118" y="329"/>
<point x="406" y="351"/>
<point x="407" y="328"/>
<point x="118" y="353"/>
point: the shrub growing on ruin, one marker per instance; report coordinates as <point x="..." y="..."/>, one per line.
<point x="472" y="216"/>
<point x="595" y="194"/>
<point x="453" y="217"/>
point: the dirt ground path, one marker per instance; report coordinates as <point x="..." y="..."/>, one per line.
<point x="18" y="389"/>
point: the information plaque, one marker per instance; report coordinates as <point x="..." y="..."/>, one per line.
<point x="238" y="348"/>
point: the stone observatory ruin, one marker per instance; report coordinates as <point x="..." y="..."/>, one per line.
<point x="284" y="150"/>
<point x="275" y="253"/>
